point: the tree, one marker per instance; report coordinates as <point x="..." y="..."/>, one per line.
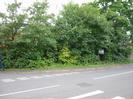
<point x="38" y="30"/>
<point x="84" y="31"/>
<point x="11" y="23"/>
<point x="119" y="13"/>
<point x="35" y="38"/>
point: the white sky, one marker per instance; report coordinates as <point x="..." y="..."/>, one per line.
<point x="54" y="5"/>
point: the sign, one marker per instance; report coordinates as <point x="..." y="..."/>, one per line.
<point x="101" y="51"/>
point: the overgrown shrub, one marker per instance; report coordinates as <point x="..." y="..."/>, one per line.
<point x="65" y="56"/>
<point x="43" y="63"/>
<point x="74" y="37"/>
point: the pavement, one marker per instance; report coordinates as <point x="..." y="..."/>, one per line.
<point x="104" y="83"/>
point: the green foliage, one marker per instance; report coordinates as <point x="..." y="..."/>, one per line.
<point x="38" y="28"/>
<point x="84" y="31"/>
<point x="43" y="63"/>
<point x="11" y="23"/>
<point x="35" y="39"/>
<point x="65" y="56"/>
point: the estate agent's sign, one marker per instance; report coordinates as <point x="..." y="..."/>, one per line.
<point x="101" y="51"/>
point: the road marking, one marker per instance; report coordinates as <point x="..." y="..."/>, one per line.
<point x="23" y="78"/>
<point x="37" y="77"/>
<point x="62" y="74"/>
<point x="118" y="97"/>
<point x="87" y="94"/>
<point x="48" y="75"/>
<point x="30" y="90"/>
<point x="113" y="75"/>
<point x="7" y="80"/>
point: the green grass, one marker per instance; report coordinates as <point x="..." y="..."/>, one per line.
<point x="55" y="66"/>
<point x="84" y="66"/>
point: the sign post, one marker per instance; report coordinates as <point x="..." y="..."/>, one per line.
<point x="101" y="54"/>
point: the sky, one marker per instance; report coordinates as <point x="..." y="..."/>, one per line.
<point x="54" y="5"/>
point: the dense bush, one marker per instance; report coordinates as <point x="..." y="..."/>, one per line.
<point x="36" y="39"/>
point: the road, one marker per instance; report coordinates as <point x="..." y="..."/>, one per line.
<point x="104" y="83"/>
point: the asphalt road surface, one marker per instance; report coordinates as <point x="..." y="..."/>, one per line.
<point x="106" y="83"/>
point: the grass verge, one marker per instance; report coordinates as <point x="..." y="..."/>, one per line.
<point x="55" y="66"/>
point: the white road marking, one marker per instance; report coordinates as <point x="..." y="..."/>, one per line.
<point x="30" y="90"/>
<point x="62" y="74"/>
<point x="22" y="78"/>
<point x="7" y="80"/>
<point x="87" y="94"/>
<point x="37" y="77"/>
<point x="118" y="97"/>
<point x="113" y="75"/>
<point x="48" y="75"/>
